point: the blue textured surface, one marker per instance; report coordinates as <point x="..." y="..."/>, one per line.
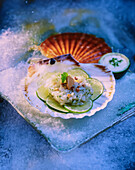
<point x="21" y="147"/>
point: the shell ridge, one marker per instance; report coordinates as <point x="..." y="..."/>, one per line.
<point x="84" y="47"/>
<point x="51" y="46"/>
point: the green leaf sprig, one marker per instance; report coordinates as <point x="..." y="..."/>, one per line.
<point x="64" y="76"/>
<point x="115" y="62"/>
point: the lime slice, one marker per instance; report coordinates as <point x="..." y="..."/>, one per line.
<point x="79" y="109"/>
<point x="53" y="104"/>
<point x="42" y="93"/>
<point x="97" y="87"/>
<point x="78" y="72"/>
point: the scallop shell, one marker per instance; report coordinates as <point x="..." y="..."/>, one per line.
<point x="85" y="48"/>
<point x="100" y="72"/>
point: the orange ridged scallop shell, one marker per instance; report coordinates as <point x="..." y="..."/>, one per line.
<point x="85" y="48"/>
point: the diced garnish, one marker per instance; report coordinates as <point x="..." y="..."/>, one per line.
<point x="68" y="95"/>
<point x="56" y="89"/>
<point x="77" y="89"/>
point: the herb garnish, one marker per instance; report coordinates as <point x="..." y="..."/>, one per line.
<point x="64" y="76"/>
<point x="115" y="62"/>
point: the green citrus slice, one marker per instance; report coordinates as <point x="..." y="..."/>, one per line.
<point x="53" y="104"/>
<point x="42" y="93"/>
<point x="78" y="72"/>
<point x="97" y="87"/>
<point x="79" y="109"/>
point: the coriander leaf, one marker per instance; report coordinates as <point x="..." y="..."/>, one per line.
<point x="64" y="76"/>
<point x="120" y="61"/>
<point x="115" y="62"/>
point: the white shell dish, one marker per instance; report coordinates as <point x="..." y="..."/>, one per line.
<point x="100" y="72"/>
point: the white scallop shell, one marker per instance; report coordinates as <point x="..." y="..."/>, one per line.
<point x="97" y="71"/>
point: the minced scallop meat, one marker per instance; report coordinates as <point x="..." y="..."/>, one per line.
<point x="80" y="92"/>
